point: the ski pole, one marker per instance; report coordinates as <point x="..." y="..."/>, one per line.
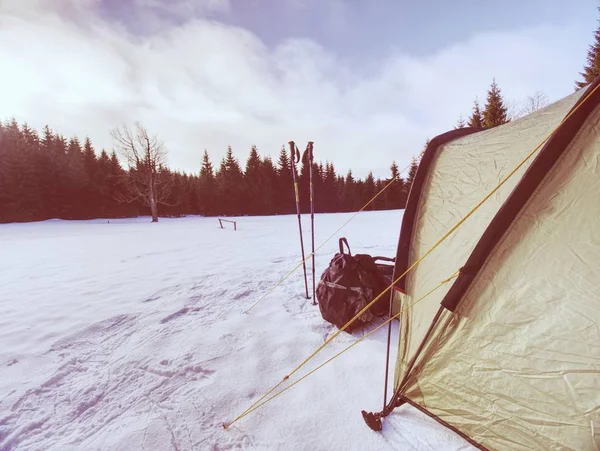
<point x="309" y="149"/>
<point x="295" y="158"/>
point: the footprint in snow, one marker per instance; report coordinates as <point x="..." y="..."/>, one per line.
<point x="175" y="315"/>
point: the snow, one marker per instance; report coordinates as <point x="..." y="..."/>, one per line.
<point x="124" y="334"/>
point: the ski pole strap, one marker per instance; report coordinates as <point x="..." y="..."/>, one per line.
<point x="342" y="242"/>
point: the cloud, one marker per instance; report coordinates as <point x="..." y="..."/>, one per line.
<point x="204" y="84"/>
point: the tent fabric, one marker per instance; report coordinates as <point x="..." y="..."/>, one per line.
<point x="516" y="365"/>
<point x="462" y="172"/>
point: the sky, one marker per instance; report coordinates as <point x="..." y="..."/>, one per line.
<point x="367" y="81"/>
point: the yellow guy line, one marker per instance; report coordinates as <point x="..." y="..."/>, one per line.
<point x="258" y="403"/>
<point x="444" y="237"/>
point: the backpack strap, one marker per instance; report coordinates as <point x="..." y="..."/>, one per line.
<point x="342" y="242"/>
<point x="385" y="259"/>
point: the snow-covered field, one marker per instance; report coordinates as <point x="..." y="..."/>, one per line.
<point x="130" y="336"/>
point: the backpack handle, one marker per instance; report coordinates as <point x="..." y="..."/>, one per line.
<point x="342" y="241"/>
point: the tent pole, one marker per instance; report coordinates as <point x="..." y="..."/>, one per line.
<point x="387" y="357"/>
<point x="373" y="420"/>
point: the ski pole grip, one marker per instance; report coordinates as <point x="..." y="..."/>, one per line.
<point x="342" y="242"/>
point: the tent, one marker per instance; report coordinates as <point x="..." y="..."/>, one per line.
<point x="507" y="354"/>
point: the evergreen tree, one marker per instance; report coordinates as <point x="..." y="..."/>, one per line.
<point x="271" y="179"/>
<point x="592" y="69"/>
<point x="349" y="193"/>
<point x="177" y="201"/>
<point x="32" y="154"/>
<point x="16" y="176"/>
<point x="207" y="192"/>
<point x="495" y="112"/>
<point x="330" y="193"/>
<point x="460" y="123"/>
<point x="394" y="195"/>
<point x="89" y="158"/>
<point x="380" y="201"/>
<point x="285" y="186"/>
<point x="253" y="181"/>
<point x="76" y="181"/>
<point x="51" y="174"/>
<point x="118" y="189"/>
<point x="304" y="182"/>
<point x="412" y="171"/>
<point x="340" y="184"/>
<point x="369" y="191"/>
<point x="101" y="185"/>
<point x="256" y="183"/>
<point x="476" y="119"/>
<point x="319" y="189"/>
<point x="192" y="187"/>
<point x="93" y="190"/>
<point x="230" y="185"/>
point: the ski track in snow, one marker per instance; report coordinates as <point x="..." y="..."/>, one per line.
<point x="114" y="343"/>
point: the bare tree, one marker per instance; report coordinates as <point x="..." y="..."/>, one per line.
<point x="512" y="110"/>
<point x="147" y="178"/>
<point x="533" y="103"/>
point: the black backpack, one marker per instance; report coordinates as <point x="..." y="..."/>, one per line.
<point x="349" y="284"/>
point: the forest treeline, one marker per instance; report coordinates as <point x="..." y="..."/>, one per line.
<point x="45" y="175"/>
<point x="48" y="176"/>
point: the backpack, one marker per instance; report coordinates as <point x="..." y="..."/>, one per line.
<point x="350" y="283"/>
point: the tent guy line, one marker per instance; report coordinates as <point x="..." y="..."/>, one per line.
<point x="258" y="403"/>
<point x="445" y="236"/>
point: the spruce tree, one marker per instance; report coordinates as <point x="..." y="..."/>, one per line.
<point x="330" y="197"/>
<point x="285" y="187"/>
<point x="92" y="190"/>
<point x="76" y="182"/>
<point x="270" y="178"/>
<point x="101" y="183"/>
<point x="394" y="193"/>
<point x="258" y="200"/>
<point x="230" y="185"/>
<point x="476" y="119"/>
<point x="51" y="175"/>
<point x="340" y="188"/>
<point x="460" y="123"/>
<point x="192" y="187"/>
<point x="206" y="187"/>
<point x="414" y="165"/>
<point x="592" y="69"/>
<point x="253" y="176"/>
<point x="118" y="189"/>
<point x="33" y="155"/>
<point x="369" y="191"/>
<point x="16" y="176"/>
<point x="349" y="193"/>
<point x="495" y="112"/>
<point x="89" y="157"/>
